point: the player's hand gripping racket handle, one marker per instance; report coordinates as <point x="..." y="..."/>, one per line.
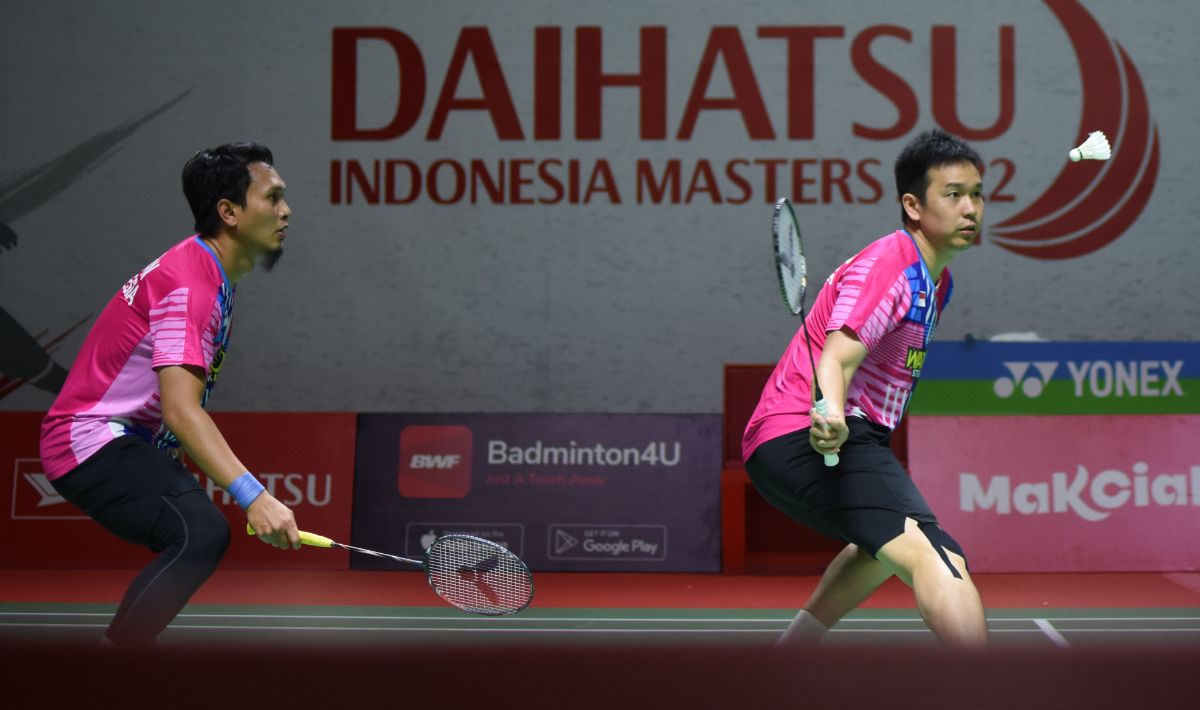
<point x="306" y="538"/>
<point x="831" y="460"/>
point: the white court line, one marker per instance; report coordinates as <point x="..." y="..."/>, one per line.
<point x="460" y="630"/>
<point x="548" y="619"/>
<point x="622" y="619"/>
<point x="1048" y="629"/>
<point x="476" y="619"/>
<point x="1127" y="631"/>
<point x="389" y="629"/>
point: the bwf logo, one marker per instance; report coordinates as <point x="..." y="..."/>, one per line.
<point x="444" y="462"/>
<point x="434" y="462"/>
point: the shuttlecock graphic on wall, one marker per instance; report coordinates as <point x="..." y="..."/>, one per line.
<point x="1096" y="147"/>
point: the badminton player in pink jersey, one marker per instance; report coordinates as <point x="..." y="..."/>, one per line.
<point x="870" y="326"/>
<point x="136" y="393"/>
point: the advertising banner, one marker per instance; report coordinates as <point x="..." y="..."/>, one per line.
<point x="530" y="206"/>
<point x="1064" y="493"/>
<point x="304" y="460"/>
<point x="564" y="492"/>
<point x="1059" y="378"/>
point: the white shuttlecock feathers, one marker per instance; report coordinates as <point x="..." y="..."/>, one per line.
<point x="1094" y="148"/>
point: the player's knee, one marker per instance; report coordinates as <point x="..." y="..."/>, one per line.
<point x="203" y="534"/>
<point x="212" y="536"/>
<point x="946" y="546"/>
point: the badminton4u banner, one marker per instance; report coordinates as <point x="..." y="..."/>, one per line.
<point x="995" y="378"/>
<point x="563" y="492"/>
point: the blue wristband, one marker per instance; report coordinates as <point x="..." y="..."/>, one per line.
<point x="245" y="489"/>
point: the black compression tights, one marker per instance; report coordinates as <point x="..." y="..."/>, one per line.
<point x="141" y="495"/>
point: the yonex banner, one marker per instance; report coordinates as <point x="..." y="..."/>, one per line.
<point x="564" y="492"/>
<point x="1064" y="493"/>
<point x="305" y="460"/>
<point x="1060" y="378"/>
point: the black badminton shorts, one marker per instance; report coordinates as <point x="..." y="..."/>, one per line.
<point x="863" y="500"/>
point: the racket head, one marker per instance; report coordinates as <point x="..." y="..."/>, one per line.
<point x="478" y="575"/>
<point x="790" y="263"/>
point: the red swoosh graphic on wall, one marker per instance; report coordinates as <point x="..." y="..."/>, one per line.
<point x="1082" y="209"/>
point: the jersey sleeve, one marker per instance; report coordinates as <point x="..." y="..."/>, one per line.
<point x="180" y="314"/>
<point x="872" y="300"/>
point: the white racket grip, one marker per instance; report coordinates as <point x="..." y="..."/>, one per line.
<point x="831" y="460"/>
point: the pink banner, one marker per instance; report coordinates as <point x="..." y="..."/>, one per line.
<point x="1064" y="494"/>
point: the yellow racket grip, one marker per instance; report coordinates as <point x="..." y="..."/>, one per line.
<point x="306" y="538"/>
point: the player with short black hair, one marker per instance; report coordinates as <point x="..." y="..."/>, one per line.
<point x="870" y="326"/>
<point x="136" y="391"/>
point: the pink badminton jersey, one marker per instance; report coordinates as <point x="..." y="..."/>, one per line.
<point x="889" y="299"/>
<point x="176" y="311"/>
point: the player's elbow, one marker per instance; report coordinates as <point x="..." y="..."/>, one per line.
<point x="180" y="389"/>
<point x="179" y="411"/>
<point x="176" y="416"/>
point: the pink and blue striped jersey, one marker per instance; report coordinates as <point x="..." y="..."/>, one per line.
<point x="888" y="298"/>
<point x="176" y="311"/>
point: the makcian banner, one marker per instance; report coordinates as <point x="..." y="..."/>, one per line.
<point x="1100" y="493"/>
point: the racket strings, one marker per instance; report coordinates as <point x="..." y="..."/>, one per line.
<point x="478" y="576"/>
<point x="792" y="268"/>
<point x="790" y="262"/>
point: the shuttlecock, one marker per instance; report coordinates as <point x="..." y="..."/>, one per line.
<point x="1094" y="148"/>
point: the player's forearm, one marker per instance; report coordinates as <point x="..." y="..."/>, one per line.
<point x="203" y="442"/>
<point x="834" y="378"/>
<point x="840" y="358"/>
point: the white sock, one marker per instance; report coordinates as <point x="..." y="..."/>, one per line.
<point x="805" y="630"/>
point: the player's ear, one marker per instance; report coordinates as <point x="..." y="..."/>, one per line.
<point x="227" y="211"/>
<point x="912" y="206"/>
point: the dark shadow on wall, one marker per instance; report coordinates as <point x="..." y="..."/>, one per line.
<point x="25" y="358"/>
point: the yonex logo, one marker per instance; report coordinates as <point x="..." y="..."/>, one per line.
<point x="1031" y="384"/>
<point x="1096" y="378"/>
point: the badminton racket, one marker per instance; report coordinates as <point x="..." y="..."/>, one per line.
<point x="473" y="574"/>
<point x="792" y="268"/>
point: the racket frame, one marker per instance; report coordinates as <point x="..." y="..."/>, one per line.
<point x="314" y="540"/>
<point x="499" y="550"/>
<point x="795" y="301"/>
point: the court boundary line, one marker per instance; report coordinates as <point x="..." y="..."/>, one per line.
<point x="1052" y="633"/>
<point x="1037" y="620"/>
